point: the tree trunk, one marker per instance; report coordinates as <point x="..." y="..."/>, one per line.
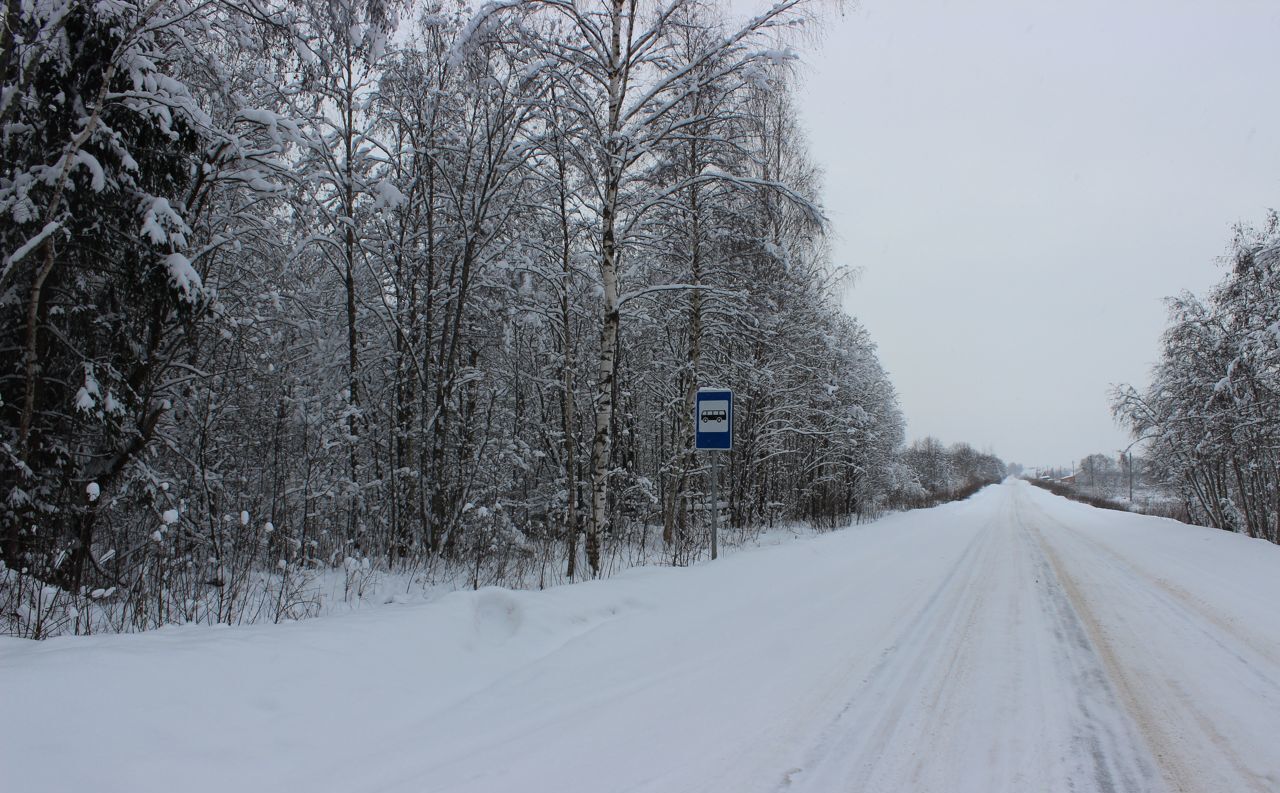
<point x="607" y="370"/>
<point x="567" y="407"/>
<point x="687" y="454"/>
<point x="349" y="281"/>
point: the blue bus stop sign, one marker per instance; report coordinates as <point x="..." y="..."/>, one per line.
<point x="713" y="419"/>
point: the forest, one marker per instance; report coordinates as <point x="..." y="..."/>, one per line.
<point x="296" y="286"/>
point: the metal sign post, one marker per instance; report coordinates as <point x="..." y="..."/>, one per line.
<point x="715" y="506"/>
<point x="713" y="424"/>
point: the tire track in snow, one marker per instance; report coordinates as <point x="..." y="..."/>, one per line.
<point x="911" y="726"/>
<point x="1222" y="623"/>
<point x="1117" y="751"/>
<point x="1161" y="706"/>
<point x="880" y="700"/>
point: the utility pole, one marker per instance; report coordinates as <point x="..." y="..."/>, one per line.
<point x="1129" y="453"/>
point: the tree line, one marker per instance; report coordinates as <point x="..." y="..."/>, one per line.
<point x="1210" y="419"/>
<point x="937" y="472"/>
<point x="300" y="285"/>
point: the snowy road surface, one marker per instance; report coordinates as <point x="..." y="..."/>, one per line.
<point x="1013" y="642"/>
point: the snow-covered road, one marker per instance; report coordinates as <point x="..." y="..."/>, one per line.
<point x="1012" y="642"/>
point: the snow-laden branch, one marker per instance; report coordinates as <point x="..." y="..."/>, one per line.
<point x="651" y="290"/>
<point x="27" y="247"/>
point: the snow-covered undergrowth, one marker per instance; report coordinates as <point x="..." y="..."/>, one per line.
<point x="32" y="609"/>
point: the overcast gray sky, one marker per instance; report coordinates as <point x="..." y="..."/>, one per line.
<point x="1022" y="183"/>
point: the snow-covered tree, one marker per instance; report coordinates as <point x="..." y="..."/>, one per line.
<point x="117" y="157"/>
<point x="287" y="288"/>
<point x="1210" y="417"/>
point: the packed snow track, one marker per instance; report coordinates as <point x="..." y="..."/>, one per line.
<point x="1012" y="642"/>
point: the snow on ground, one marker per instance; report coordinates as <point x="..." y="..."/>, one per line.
<point x="1012" y="642"/>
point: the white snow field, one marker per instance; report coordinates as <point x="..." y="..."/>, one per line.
<point x="1012" y="642"/>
